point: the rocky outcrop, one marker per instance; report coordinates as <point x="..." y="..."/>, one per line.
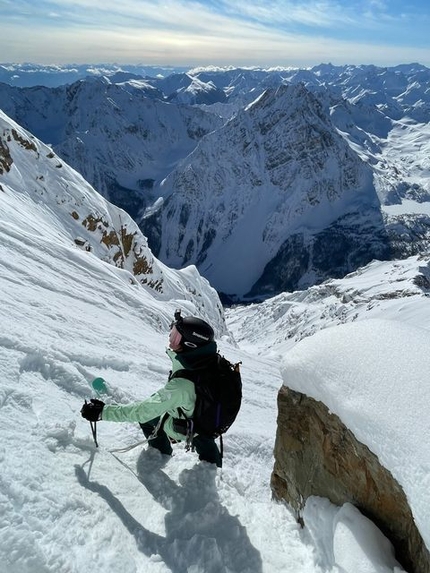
<point x="316" y="455"/>
<point x="47" y="198"/>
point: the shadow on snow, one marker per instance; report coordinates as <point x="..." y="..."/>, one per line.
<point x="200" y="533"/>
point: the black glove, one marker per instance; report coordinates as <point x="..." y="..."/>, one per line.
<point x="92" y="410"/>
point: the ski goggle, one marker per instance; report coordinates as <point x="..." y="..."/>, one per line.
<point x="175" y="338"/>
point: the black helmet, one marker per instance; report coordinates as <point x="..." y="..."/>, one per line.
<point x="195" y="331"/>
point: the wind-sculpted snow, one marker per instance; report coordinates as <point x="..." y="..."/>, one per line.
<point x="382" y="396"/>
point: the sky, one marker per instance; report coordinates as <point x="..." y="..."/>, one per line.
<point x="215" y="32"/>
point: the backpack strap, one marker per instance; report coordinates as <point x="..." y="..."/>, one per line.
<point x="185" y="425"/>
<point x="188" y="374"/>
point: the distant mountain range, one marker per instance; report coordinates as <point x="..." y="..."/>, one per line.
<point x="266" y="180"/>
<point x="25" y="75"/>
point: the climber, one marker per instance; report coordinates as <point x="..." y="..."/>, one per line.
<point x="163" y="415"/>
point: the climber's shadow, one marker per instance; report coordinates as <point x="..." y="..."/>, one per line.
<point x="200" y="533"/>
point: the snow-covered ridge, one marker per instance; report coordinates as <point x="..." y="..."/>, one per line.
<point x="32" y="74"/>
<point x="277" y="169"/>
<point x="122" y="137"/>
<point x="43" y="197"/>
<point x="395" y="290"/>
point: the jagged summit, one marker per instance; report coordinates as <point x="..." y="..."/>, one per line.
<point x="278" y="168"/>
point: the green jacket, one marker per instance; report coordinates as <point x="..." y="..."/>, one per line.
<point x="177" y="393"/>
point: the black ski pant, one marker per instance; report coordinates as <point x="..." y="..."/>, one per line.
<point x="206" y="447"/>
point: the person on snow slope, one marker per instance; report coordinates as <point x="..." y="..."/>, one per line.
<point x="191" y="346"/>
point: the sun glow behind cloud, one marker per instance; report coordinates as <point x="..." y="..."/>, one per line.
<point x="238" y="32"/>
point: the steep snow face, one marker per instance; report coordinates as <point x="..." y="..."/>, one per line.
<point x="42" y="197"/>
<point x="120" y="137"/>
<point x="276" y="169"/>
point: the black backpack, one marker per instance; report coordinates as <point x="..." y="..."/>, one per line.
<point x="218" y="398"/>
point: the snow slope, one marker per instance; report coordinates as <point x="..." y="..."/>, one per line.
<point x="67" y="507"/>
<point x="394" y="290"/>
<point x="67" y="318"/>
<point x="69" y="315"/>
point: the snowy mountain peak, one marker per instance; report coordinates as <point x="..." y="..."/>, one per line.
<point x="120" y="137"/>
<point x="276" y="169"/>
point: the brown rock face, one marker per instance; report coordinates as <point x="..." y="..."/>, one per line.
<point x="316" y="454"/>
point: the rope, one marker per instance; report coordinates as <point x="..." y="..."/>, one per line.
<point x="142" y="442"/>
<point x="128" y="448"/>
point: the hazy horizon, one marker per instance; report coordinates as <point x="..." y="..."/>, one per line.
<point x="299" y="33"/>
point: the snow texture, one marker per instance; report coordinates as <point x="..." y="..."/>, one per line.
<point x="68" y="316"/>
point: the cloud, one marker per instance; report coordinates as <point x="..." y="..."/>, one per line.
<point x="280" y="13"/>
<point x="221" y="32"/>
<point x="204" y="15"/>
<point x="262" y="48"/>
